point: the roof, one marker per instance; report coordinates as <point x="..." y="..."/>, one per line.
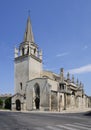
<point x="18" y="94"/>
<point x="28" y="35"/>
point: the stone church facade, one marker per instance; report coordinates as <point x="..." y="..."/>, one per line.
<point x="36" y="88"/>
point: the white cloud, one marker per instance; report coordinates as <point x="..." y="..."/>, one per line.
<point x="62" y="54"/>
<point x="83" y="69"/>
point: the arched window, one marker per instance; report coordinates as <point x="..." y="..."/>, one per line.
<point x="34" y="51"/>
<point x="23" y="51"/>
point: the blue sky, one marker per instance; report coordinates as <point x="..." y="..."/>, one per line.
<point x="62" y="28"/>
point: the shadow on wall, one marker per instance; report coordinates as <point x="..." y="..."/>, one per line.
<point x="88" y="113"/>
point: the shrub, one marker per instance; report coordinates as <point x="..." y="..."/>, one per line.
<point x="1" y="103"/>
<point x="8" y="103"/>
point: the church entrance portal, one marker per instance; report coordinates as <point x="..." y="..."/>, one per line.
<point x="18" y="105"/>
<point x="37" y="102"/>
<point x="37" y="96"/>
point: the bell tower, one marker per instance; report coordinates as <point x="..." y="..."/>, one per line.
<point x="28" y="60"/>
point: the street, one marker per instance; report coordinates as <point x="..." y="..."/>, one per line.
<point x="44" y="121"/>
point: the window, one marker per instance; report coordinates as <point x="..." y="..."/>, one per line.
<point x="24" y="96"/>
<point x="34" y="51"/>
<point x="27" y="50"/>
<point x="73" y="93"/>
<point x="61" y="86"/>
<point x="23" y="51"/>
<point x="21" y="85"/>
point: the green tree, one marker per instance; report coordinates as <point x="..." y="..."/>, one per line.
<point x="8" y="103"/>
<point x="1" y="103"/>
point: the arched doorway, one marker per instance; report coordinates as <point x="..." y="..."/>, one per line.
<point x="37" y="95"/>
<point x="18" y="105"/>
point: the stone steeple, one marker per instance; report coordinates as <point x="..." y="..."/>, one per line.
<point x="28" y="60"/>
<point x="28" y="46"/>
<point x="28" y="36"/>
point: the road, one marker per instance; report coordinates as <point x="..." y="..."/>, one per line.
<point x="44" y="121"/>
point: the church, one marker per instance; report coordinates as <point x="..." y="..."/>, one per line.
<point x="38" y="89"/>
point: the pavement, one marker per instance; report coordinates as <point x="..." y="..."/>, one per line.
<point x="38" y="120"/>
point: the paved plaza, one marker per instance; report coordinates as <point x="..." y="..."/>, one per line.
<point x="44" y="121"/>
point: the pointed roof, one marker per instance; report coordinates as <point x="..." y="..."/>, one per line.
<point x="28" y="36"/>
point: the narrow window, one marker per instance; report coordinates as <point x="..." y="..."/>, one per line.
<point x="62" y="86"/>
<point x="24" y="96"/>
<point x="28" y="50"/>
<point x="23" y="51"/>
<point x="21" y="85"/>
<point x="34" y="51"/>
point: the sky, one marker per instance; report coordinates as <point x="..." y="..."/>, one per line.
<point x="62" y="29"/>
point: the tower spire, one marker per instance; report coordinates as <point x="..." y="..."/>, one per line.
<point x="28" y="36"/>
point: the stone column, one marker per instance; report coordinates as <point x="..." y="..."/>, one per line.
<point x="33" y="100"/>
<point x="64" y="101"/>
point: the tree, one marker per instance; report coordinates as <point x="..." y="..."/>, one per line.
<point x="1" y="103"/>
<point x="8" y="103"/>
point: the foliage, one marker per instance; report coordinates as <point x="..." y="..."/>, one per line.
<point x="1" y="103"/>
<point x="8" y="103"/>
